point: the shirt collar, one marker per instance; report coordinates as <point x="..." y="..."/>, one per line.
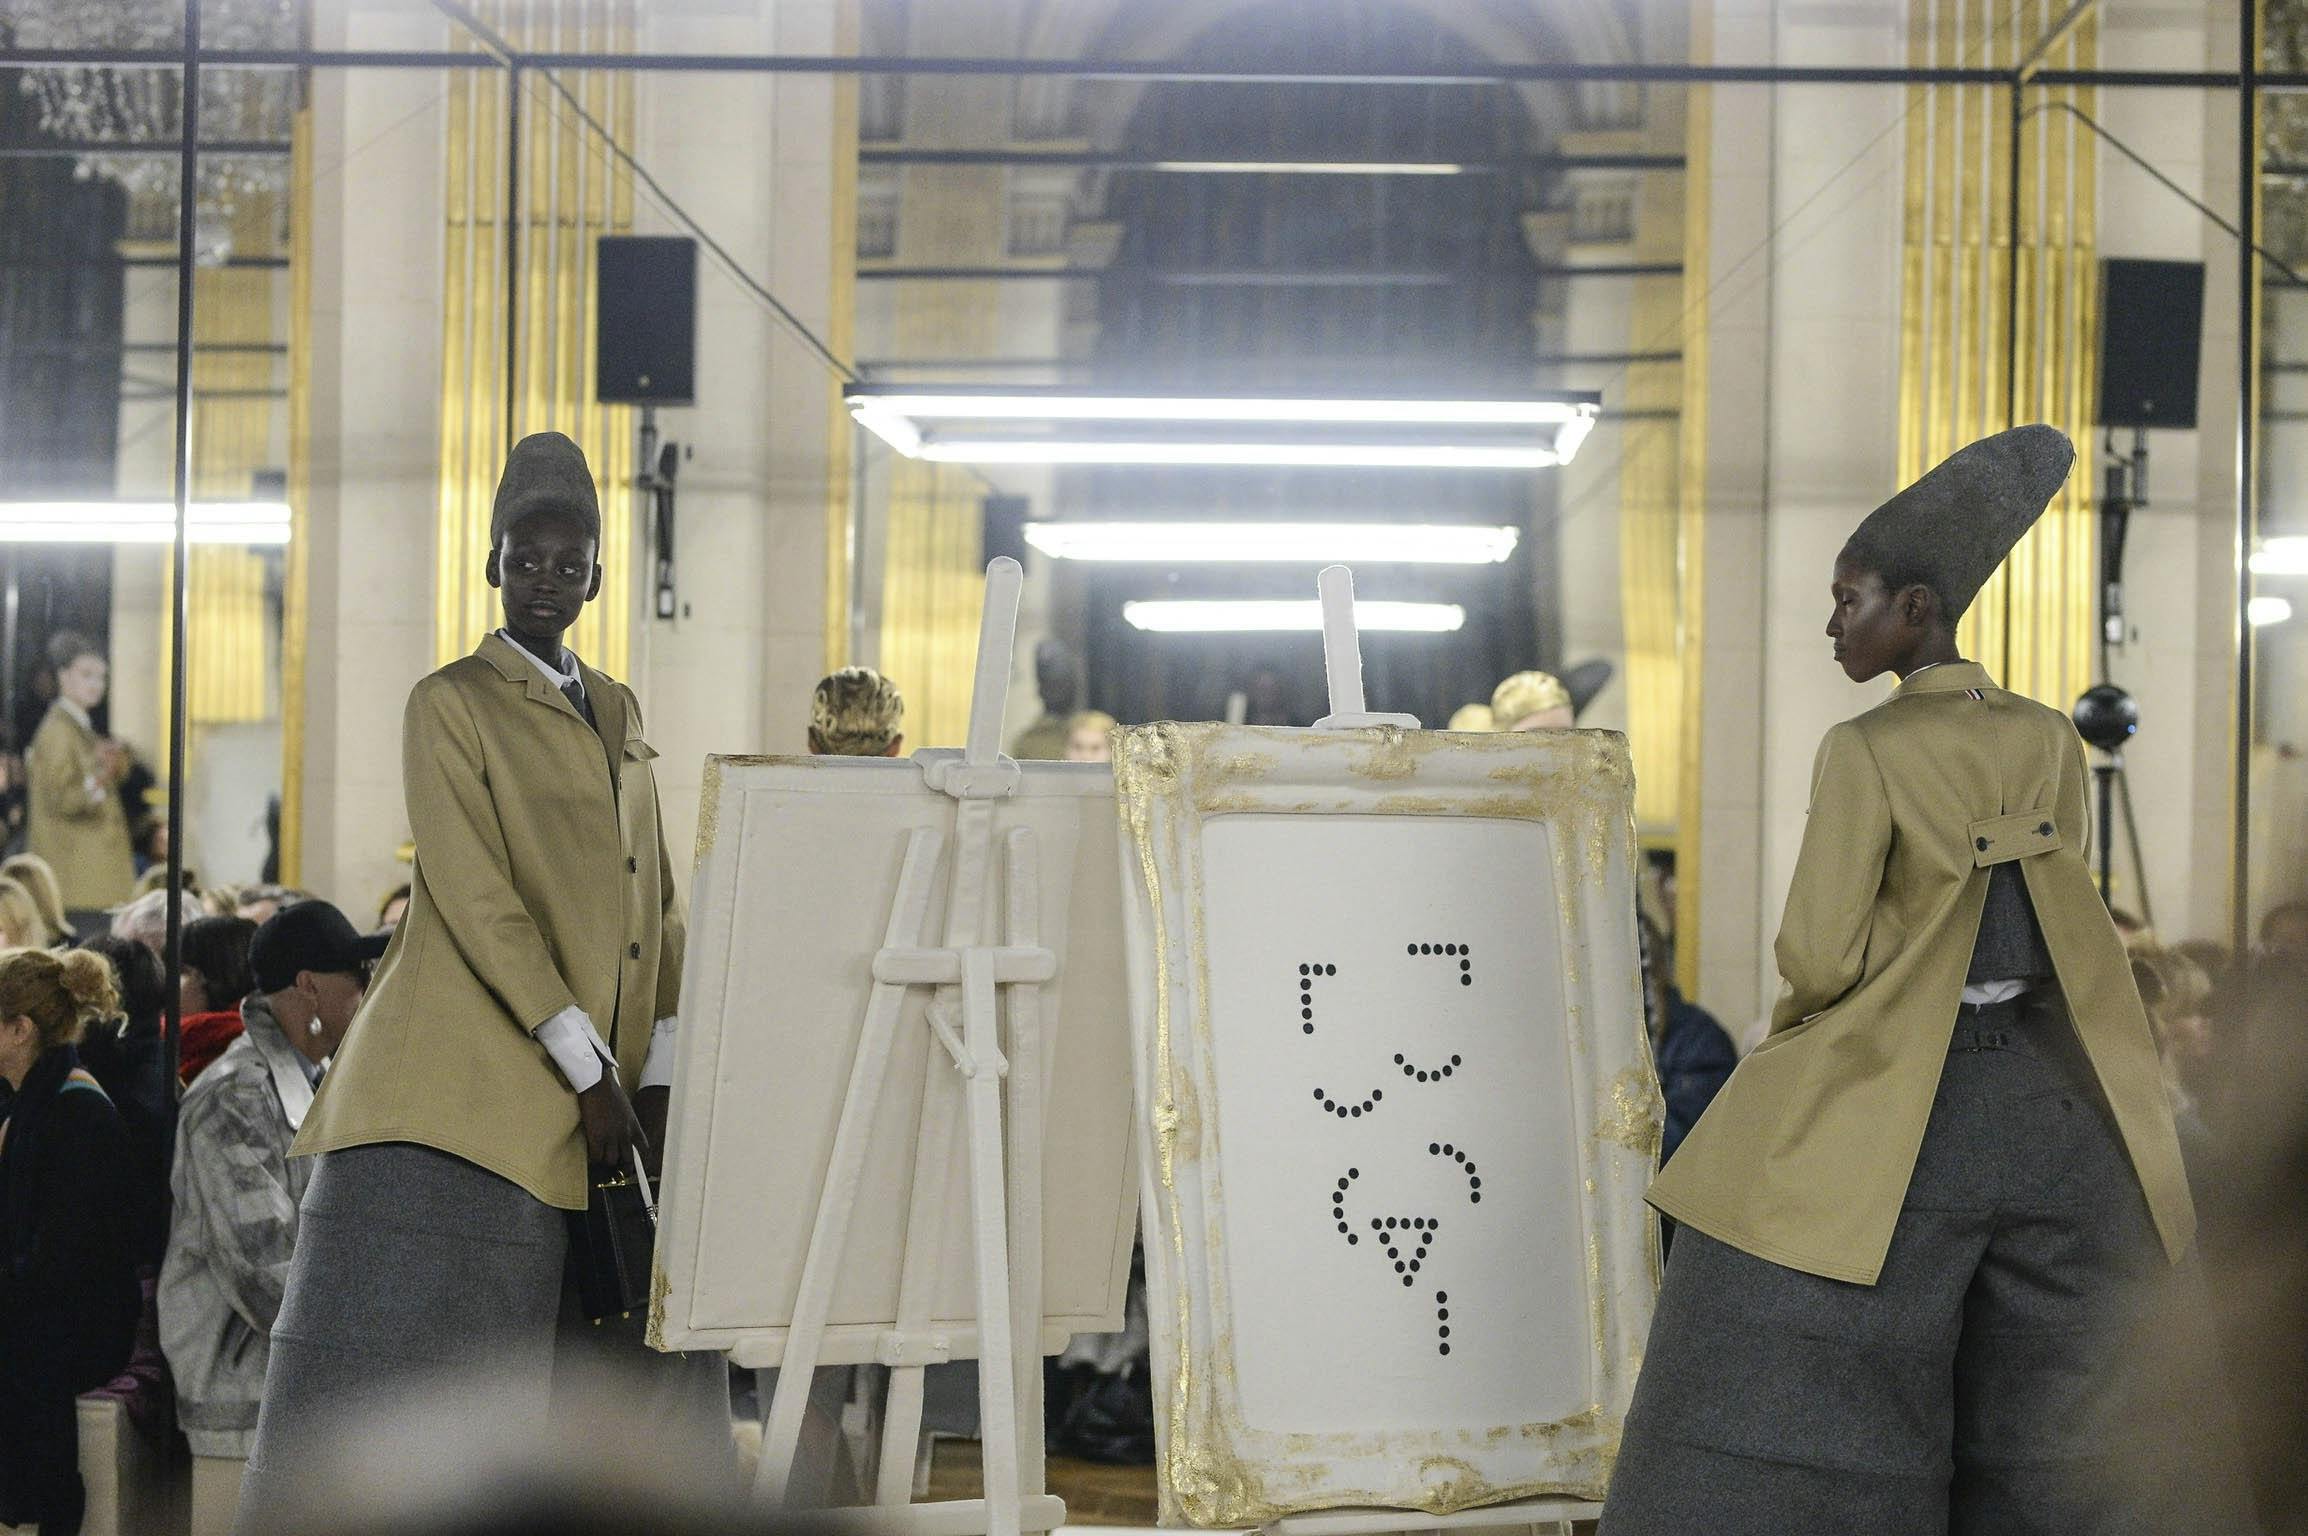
<point x="76" y="714"/>
<point x="1945" y="677"/>
<point x="559" y="677"/>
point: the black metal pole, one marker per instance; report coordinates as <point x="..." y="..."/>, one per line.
<point x="180" y="574"/>
<point x="2011" y="417"/>
<point x="512" y="244"/>
<point x="2247" y="428"/>
<point x="2105" y="771"/>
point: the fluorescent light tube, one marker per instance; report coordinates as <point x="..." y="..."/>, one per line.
<point x="1285" y="455"/>
<point x="2284" y="556"/>
<point x="1234" y="615"/>
<point x="2263" y="611"/>
<point x="1318" y="167"/>
<point x="1315" y="543"/>
<point x="142" y="522"/>
<point x="981" y="405"/>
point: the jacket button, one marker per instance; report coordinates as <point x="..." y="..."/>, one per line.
<point x="2045" y="830"/>
<point x="633" y="866"/>
<point x="1982" y="845"/>
<point x="634" y="951"/>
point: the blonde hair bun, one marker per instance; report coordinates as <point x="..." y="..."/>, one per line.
<point x="87" y="980"/>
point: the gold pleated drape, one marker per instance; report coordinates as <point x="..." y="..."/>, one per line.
<point x="571" y="191"/>
<point x="228" y="651"/>
<point x="933" y="585"/>
<point x="2032" y="623"/>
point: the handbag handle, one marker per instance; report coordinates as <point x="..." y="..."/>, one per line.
<point x="641" y="1179"/>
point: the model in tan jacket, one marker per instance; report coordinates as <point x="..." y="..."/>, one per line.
<point x="1804" y="1157"/>
<point x="76" y="821"/>
<point x="541" y="881"/>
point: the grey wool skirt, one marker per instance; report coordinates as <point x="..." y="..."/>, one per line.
<point x="424" y="1310"/>
<point x="2027" y="1361"/>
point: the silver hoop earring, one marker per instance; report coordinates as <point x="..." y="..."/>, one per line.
<point x="313" y="1028"/>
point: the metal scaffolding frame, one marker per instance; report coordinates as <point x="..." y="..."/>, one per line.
<point x="2248" y="81"/>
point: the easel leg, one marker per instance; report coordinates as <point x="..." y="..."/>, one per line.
<point x="997" y="1386"/>
<point x="829" y="1232"/>
<point x="1022" y="925"/>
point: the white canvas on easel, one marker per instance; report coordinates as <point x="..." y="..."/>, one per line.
<point x="900" y="1128"/>
<point x="1398" y="1113"/>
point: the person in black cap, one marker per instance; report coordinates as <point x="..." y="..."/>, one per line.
<point x="528" y="997"/>
<point x="236" y="1188"/>
<point x="1936" y="1225"/>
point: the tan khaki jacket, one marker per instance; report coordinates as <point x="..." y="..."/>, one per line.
<point x="538" y="884"/>
<point x="85" y="840"/>
<point x="1804" y="1158"/>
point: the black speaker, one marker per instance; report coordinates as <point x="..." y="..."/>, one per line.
<point x="2151" y="325"/>
<point x="1005" y="527"/>
<point x="645" y="320"/>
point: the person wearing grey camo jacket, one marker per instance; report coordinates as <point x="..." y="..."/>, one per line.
<point x="237" y="1190"/>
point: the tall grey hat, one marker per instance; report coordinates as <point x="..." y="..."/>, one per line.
<point x="544" y="471"/>
<point x="1952" y="528"/>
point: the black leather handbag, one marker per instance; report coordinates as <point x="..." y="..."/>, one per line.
<point x="613" y="1243"/>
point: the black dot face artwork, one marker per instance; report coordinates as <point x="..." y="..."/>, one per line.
<point x="1408" y="1242"/>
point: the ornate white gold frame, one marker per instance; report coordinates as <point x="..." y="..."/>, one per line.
<point x="1173" y="782"/>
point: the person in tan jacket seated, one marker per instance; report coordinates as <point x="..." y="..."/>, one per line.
<point x="1930" y="1259"/>
<point x="528" y="993"/>
<point x="75" y="819"/>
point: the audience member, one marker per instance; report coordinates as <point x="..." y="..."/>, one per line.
<point x="2284" y="930"/>
<point x="146" y="920"/>
<point x="393" y="908"/>
<point x="1089" y="737"/>
<point x="2135" y="933"/>
<point x="237" y="1189"/>
<point x="857" y="712"/>
<point x="209" y="989"/>
<point x="1472" y="717"/>
<point x="261" y="903"/>
<point x="77" y="822"/>
<point x="20" y="924"/>
<point x="156" y="879"/>
<point x="1532" y="701"/>
<point x="128" y="1057"/>
<point x="1692" y="1052"/>
<point x="2174" y="1016"/>
<point x="32" y="872"/>
<point x="68" y="1291"/>
<point x="1059" y="682"/>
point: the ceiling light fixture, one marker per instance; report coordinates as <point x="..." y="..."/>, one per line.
<point x="1238" y="615"/>
<point x="142" y="522"/>
<point x="981" y="425"/>
<point x="2283" y="556"/>
<point x="2264" y="611"/>
<point x="1305" y="543"/>
<point x="1314" y="167"/>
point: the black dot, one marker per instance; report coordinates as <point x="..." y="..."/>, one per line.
<point x="1474" y="1183"/>
<point x="1338" y="1196"/>
<point x="1456" y="1062"/>
<point x="1358" y="1114"/>
<point x="1376" y="1225"/>
<point x="1399" y="1266"/>
<point x="1352" y="1173"/>
<point x="1406" y="1282"/>
<point x="1342" y="1226"/>
<point x="1306" y="1013"/>
<point x="1350" y="1237"/>
<point x="1376" y="1094"/>
<point x="1443" y="1332"/>
<point x="1420" y="1254"/>
<point x="1447" y="1152"/>
<point x="1398" y="1059"/>
<point x="1330" y="970"/>
<point x="1466" y="981"/>
<point x="1422" y="1077"/>
<point x="1306" y="970"/>
<point x="1308" y="1028"/>
<point x="1390" y="1223"/>
<point x="1410" y="949"/>
<point x="1474" y="1199"/>
<point x="1426" y="949"/>
<point x="1318" y="1100"/>
<point x="1340" y="1109"/>
<point x="1443" y="1315"/>
<point x="1470" y="1167"/>
<point x="1441" y="1297"/>
<point x="1432" y="1146"/>
<point x="1444" y="1348"/>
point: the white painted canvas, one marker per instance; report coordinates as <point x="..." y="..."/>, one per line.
<point x="1400" y="1113"/>
<point x="798" y="865"/>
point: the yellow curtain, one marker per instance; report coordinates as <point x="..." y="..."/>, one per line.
<point x="571" y="191"/>
<point x="932" y="587"/>
<point x="2032" y="623"/>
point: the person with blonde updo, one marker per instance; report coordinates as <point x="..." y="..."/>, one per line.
<point x="1532" y="701"/>
<point x="20" y="923"/>
<point x="1089" y="737"/>
<point x="69" y="1298"/>
<point x="857" y="712"/>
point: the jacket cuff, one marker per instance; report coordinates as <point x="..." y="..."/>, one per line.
<point x="576" y="1048"/>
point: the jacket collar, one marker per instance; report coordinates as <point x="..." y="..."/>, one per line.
<point x="1947" y="677"/>
<point x="281" y="1061"/>
<point x="607" y="699"/>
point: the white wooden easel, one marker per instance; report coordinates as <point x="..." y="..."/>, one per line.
<point x="1005" y="1170"/>
<point x="1342" y="661"/>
